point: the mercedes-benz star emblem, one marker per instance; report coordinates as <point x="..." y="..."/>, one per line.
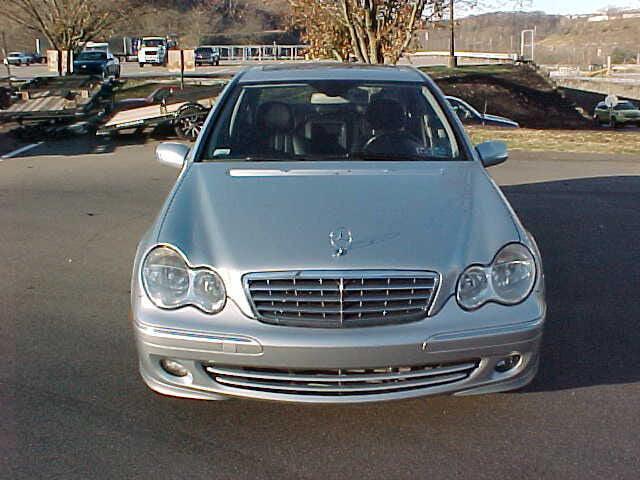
<point x="340" y="240"/>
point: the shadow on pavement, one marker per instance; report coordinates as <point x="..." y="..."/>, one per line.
<point x="587" y="231"/>
<point x="74" y="145"/>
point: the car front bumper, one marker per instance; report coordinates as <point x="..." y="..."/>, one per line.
<point x="272" y="359"/>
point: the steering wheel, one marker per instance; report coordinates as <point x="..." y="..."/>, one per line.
<point x="392" y="143"/>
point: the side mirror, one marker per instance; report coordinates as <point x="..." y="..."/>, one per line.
<point x="492" y="153"/>
<point x="172" y="154"/>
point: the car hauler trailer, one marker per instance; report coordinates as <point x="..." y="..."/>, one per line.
<point x="184" y="109"/>
<point x="47" y="105"/>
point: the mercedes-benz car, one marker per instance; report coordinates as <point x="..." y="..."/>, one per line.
<point x="333" y="236"/>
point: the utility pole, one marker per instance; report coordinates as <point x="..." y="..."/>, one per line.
<point x="4" y="55"/>
<point x="453" y="63"/>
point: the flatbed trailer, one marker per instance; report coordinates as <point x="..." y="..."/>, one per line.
<point x="185" y="115"/>
<point x="59" y="100"/>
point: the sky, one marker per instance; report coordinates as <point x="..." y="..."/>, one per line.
<point x="565" y="7"/>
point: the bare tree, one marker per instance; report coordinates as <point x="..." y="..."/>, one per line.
<point x="376" y="31"/>
<point x="66" y="24"/>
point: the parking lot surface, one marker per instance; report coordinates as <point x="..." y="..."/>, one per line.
<point x="73" y="406"/>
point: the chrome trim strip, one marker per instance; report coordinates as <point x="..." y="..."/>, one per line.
<point x="488" y="332"/>
<point x="226" y="343"/>
<point x="316" y="172"/>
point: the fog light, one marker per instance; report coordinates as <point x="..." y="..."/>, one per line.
<point x="173" y="368"/>
<point x="507" y="363"/>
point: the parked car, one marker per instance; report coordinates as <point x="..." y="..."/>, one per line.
<point x="334" y="237"/>
<point x="18" y="58"/>
<point x="207" y="56"/>
<point x="469" y="115"/>
<point x="37" y="58"/>
<point x="623" y="113"/>
<point x="96" y="62"/>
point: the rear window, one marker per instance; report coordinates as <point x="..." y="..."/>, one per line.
<point x="92" y="56"/>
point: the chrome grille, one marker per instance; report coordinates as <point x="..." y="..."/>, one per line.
<point x="340" y="382"/>
<point x="341" y="299"/>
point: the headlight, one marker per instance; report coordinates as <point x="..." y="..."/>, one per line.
<point x="170" y="283"/>
<point x="508" y="280"/>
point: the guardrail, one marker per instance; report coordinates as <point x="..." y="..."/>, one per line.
<point x="484" y="55"/>
<point x="261" y="52"/>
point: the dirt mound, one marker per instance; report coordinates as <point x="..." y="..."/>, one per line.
<point x="516" y="92"/>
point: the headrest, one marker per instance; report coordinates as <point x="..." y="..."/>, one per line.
<point x="275" y="116"/>
<point x="386" y="114"/>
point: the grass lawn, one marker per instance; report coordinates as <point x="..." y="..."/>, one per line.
<point x="624" y="141"/>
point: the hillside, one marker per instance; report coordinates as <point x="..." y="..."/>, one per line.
<point x="581" y="41"/>
<point x="559" y="39"/>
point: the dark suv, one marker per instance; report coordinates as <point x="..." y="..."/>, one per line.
<point x="207" y="56"/>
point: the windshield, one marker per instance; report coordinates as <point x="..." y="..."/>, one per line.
<point x="330" y="120"/>
<point x="156" y="42"/>
<point x="92" y="56"/>
<point x="203" y="50"/>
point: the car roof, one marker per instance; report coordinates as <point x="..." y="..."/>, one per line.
<point x="290" y="72"/>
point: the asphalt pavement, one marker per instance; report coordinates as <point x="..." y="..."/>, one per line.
<point x="72" y="405"/>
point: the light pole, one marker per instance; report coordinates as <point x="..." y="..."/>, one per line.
<point x="453" y="63"/>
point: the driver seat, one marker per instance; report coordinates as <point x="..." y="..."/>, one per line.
<point x="387" y="119"/>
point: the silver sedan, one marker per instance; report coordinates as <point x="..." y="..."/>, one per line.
<point x="333" y="236"/>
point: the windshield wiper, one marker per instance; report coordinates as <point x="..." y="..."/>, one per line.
<point x="389" y="158"/>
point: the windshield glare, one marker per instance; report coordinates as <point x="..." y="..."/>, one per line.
<point x="331" y="120"/>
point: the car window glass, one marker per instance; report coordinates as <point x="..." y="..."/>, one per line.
<point x="624" y="106"/>
<point x="332" y="120"/>
<point x="92" y="56"/>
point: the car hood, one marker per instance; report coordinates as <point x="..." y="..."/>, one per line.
<point x="244" y="217"/>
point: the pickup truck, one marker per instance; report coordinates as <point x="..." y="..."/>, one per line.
<point x="152" y="50"/>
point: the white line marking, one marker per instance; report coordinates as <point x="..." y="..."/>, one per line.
<point x="20" y="150"/>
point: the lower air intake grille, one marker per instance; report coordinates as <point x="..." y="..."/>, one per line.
<point x="340" y="382"/>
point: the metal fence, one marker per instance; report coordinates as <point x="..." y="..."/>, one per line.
<point x="261" y="52"/>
